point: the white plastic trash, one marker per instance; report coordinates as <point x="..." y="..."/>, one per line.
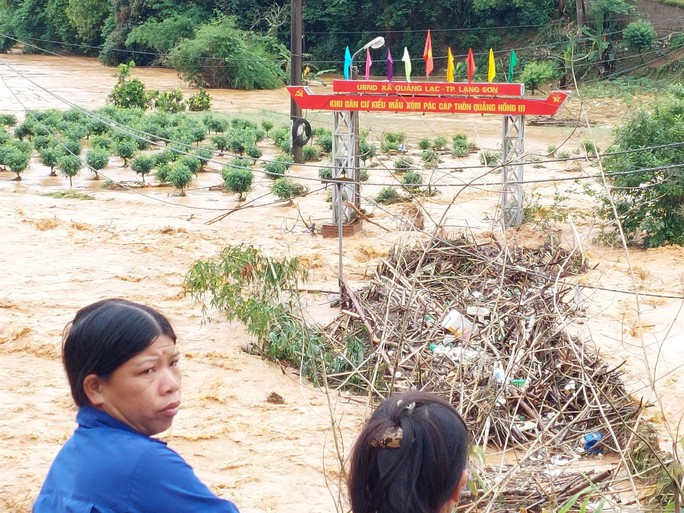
<point x="458" y="325"/>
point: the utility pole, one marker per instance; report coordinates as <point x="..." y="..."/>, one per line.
<point x="295" y="72"/>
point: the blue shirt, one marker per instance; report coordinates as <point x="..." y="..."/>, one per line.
<point x="108" y="467"/>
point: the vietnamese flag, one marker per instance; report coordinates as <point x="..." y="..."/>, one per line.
<point x="407" y="64"/>
<point x="427" y="55"/>
<point x="491" y="73"/>
<point x="471" y="65"/>
<point x="450" y="66"/>
<point x="369" y="62"/>
<point x="390" y="66"/>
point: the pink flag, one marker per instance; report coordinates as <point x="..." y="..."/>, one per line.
<point x="390" y="65"/>
<point x="368" y="63"/>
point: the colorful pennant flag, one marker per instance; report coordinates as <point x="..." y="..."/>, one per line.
<point x="491" y="71"/>
<point x="471" y="65"/>
<point x="427" y="55"/>
<point x="511" y="65"/>
<point x="390" y="66"/>
<point x="369" y="62"/>
<point x="450" y="66"/>
<point x="347" y="63"/>
<point x="407" y="64"/>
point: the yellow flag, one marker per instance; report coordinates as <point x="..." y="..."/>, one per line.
<point x="450" y="66"/>
<point x="492" y="67"/>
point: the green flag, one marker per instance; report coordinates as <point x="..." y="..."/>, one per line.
<point x="511" y="66"/>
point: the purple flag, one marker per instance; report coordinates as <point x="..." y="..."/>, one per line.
<point x="368" y="63"/>
<point x="390" y="63"/>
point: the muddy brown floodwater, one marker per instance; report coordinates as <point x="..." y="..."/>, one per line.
<point x="60" y="254"/>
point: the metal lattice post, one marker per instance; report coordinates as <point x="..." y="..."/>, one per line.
<point x="513" y="170"/>
<point x="344" y="152"/>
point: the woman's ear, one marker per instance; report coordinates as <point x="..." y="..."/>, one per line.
<point x="461" y="483"/>
<point x="92" y="388"/>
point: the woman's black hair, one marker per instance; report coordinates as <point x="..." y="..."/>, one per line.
<point x="105" y="335"/>
<point x="409" y="457"/>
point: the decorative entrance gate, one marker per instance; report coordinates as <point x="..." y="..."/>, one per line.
<point x="351" y="96"/>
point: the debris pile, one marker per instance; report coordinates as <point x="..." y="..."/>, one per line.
<point x="488" y="327"/>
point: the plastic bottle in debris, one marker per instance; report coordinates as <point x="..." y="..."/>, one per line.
<point x="499" y="374"/>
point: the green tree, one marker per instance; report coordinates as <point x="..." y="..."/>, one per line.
<point x="88" y="18"/>
<point x="179" y="176"/>
<point x="69" y="165"/>
<point x="49" y="156"/>
<point x="125" y="149"/>
<point x="221" y="55"/>
<point x="16" y="160"/>
<point x="97" y="159"/>
<point x="238" y="179"/>
<point x="648" y="182"/>
<point x="142" y="165"/>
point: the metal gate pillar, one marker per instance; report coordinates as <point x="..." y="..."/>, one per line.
<point x="345" y="158"/>
<point x="513" y="170"/>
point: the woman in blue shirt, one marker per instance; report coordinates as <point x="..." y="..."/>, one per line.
<point x="122" y="364"/>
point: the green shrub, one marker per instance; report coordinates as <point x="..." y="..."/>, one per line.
<point x="551" y="150"/>
<point x="278" y="167"/>
<point x="490" y="158"/>
<point x="325" y="173"/>
<point x="310" y="153"/>
<point x="590" y="148"/>
<point x="392" y="141"/>
<point x="102" y="142"/>
<point x="254" y="152"/>
<point x="412" y="180"/>
<point x="267" y="125"/>
<point x="647" y="180"/>
<point x="430" y="158"/>
<point x="221" y="143"/>
<point x="325" y="141"/>
<point x="440" y="143"/>
<point x="639" y="35"/>
<point x="387" y="195"/>
<point x="563" y="154"/>
<point x="169" y="101"/>
<point x="363" y="175"/>
<point x="424" y="144"/>
<point x="287" y="189"/>
<point x="403" y="164"/>
<point x="536" y="74"/>
<point x="200" y="101"/>
<point x="193" y="163"/>
<point x="8" y="120"/>
<point x="128" y="93"/>
<point x="461" y="146"/>
<point x="367" y="151"/>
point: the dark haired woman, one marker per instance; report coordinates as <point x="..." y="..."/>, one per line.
<point x="410" y="457"/>
<point x="122" y="364"/>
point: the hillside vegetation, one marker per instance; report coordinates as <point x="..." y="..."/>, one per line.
<point x="229" y="43"/>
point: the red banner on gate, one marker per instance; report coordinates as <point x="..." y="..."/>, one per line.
<point x="399" y="103"/>
<point x="428" y="88"/>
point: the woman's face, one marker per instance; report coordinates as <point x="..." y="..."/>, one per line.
<point x="144" y="392"/>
